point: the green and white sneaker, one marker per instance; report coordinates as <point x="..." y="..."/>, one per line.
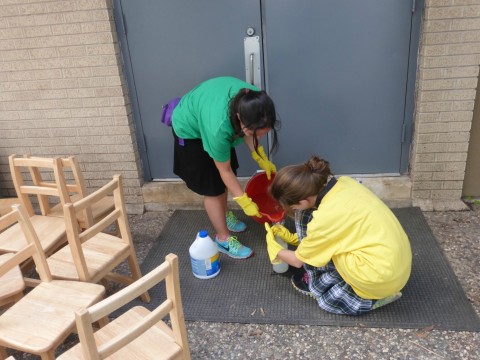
<point x="233" y="224"/>
<point x="387" y="300"/>
<point x="233" y="248"/>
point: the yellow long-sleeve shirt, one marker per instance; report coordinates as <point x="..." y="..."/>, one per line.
<point x="362" y="236"/>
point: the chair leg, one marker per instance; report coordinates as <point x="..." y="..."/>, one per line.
<point x="49" y="355"/>
<point x="137" y="274"/>
<point x="3" y="353"/>
<point x="106" y="285"/>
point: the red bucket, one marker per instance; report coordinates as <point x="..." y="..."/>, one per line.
<point x="257" y="189"/>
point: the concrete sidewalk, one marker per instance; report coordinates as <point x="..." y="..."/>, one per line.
<point x="459" y="236"/>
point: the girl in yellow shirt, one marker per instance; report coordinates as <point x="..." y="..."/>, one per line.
<point x="356" y="254"/>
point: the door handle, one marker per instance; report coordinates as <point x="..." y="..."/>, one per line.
<point x="252" y="61"/>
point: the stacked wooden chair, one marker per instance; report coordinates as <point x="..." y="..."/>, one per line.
<point x="43" y="318"/>
<point x="50" y="230"/>
<point x="77" y="189"/>
<point x="73" y="251"/>
<point x="72" y="179"/>
<point x="92" y="254"/>
<point x="137" y="333"/>
<point x="12" y="283"/>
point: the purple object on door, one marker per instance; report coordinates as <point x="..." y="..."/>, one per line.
<point x="168" y="111"/>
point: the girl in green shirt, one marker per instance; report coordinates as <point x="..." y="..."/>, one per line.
<point x="209" y="121"/>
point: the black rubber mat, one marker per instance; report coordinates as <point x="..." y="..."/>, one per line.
<point x="248" y="291"/>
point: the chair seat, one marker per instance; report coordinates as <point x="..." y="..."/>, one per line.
<point x="99" y="209"/>
<point x="48" y="317"/>
<point x="100" y="250"/>
<point x="12" y="283"/>
<point x="49" y="229"/>
<point x="153" y="344"/>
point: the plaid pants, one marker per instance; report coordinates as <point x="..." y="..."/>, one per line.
<point x="333" y="294"/>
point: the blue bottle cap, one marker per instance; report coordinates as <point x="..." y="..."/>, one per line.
<point x="203" y="233"/>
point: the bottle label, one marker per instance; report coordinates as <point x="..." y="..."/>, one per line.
<point x="206" y="267"/>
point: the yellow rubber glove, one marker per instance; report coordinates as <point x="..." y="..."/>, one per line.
<point x="282" y="232"/>
<point x="273" y="247"/>
<point x="248" y="206"/>
<point x="262" y="160"/>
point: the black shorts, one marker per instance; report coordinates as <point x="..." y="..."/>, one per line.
<point x="195" y="166"/>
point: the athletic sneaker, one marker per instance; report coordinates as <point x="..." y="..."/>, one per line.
<point x="233" y="224"/>
<point x="387" y="300"/>
<point x="300" y="283"/>
<point x="233" y="248"/>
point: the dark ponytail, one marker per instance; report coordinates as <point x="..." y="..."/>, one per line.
<point x="257" y="111"/>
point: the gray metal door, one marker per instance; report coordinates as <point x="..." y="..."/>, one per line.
<point x="168" y="48"/>
<point x="338" y="72"/>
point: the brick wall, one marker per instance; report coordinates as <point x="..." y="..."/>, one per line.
<point x="446" y="88"/>
<point x="62" y="91"/>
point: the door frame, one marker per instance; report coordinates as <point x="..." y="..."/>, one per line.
<point x="132" y="90"/>
<point x="409" y="108"/>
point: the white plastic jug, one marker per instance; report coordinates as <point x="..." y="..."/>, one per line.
<point x="204" y="256"/>
<point x="282" y="266"/>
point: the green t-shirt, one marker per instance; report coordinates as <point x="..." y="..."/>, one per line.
<point x="203" y="114"/>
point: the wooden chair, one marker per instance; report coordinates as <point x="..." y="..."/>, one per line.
<point x="91" y="255"/>
<point x="12" y="283"/>
<point x="77" y="190"/>
<point x="6" y="205"/>
<point x="29" y="172"/>
<point x="50" y="230"/>
<point x="138" y="333"/>
<point x="43" y="318"/>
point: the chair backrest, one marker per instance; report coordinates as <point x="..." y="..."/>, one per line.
<point x="32" y="250"/>
<point x="76" y="187"/>
<point x="76" y="235"/>
<point x="75" y="181"/>
<point x="171" y="306"/>
<point x="47" y="180"/>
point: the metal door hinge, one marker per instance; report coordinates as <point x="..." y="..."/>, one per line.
<point x="413" y="5"/>
<point x="404" y="132"/>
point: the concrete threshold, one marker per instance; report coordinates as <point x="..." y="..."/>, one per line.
<point x="169" y="195"/>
